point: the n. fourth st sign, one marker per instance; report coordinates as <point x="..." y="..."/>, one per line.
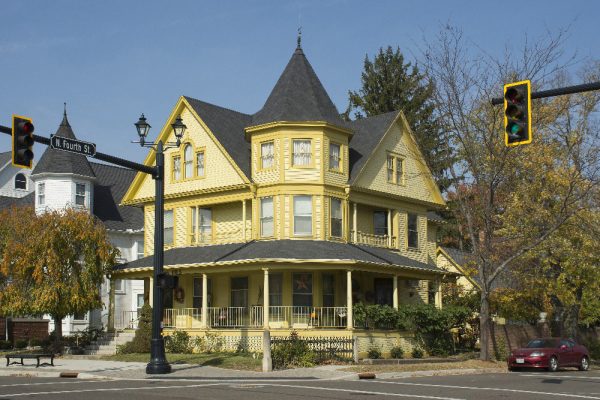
<point x="72" y="145"/>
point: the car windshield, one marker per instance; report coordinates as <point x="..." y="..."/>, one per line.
<point x="539" y="343"/>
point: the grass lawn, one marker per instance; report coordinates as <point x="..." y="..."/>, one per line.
<point x="467" y="364"/>
<point x="221" y="360"/>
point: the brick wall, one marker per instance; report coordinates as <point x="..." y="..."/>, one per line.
<point x="506" y="337"/>
<point x="27" y="328"/>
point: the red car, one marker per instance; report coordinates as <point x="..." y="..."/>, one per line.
<point x="551" y="354"/>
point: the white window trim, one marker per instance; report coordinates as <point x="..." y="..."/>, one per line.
<point x="303" y="215"/>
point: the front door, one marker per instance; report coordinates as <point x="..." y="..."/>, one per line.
<point x="384" y="291"/>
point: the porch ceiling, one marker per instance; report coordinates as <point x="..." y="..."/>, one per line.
<point x="282" y="251"/>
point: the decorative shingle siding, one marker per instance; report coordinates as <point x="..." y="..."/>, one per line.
<point x="219" y="171"/>
<point x="374" y="175"/>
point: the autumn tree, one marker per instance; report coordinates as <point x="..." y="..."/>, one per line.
<point x="518" y="197"/>
<point x="390" y="84"/>
<point x="53" y="263"/>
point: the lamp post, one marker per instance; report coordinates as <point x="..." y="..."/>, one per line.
<point x="158" y="363"/>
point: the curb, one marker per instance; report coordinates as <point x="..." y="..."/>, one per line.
<point x="441" y="372"/>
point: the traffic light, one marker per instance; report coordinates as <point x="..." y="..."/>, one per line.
<point x="22" y="141"/>
<point x="517" y="113"/>
<point x="166" y="281"/>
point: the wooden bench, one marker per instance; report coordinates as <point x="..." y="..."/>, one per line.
<point x="23" y="356"/>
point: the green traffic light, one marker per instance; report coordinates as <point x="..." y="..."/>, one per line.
<point x="514" y="129"/>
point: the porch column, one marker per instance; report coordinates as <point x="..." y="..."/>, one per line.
<point x="244" y="220"/>
<point x="389" y="227"/>
<point x="438" y="293"/>
<point x="266" y="299"/>
<point x="354" y="223"/>
<point x="349" y="318"/>
<point x="395" y="300"/>
<point x="111" y="305"/>
<point x="204" y="315"/>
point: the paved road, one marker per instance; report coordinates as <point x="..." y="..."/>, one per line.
<point x="524" y="385"/>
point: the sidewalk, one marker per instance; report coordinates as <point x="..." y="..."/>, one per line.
<point x="101" y="369"/>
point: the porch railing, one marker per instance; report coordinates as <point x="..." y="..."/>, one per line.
<point x="182" y="318"/>
<point x="371" y="239"/>
<point x="307" y="317"/>
<point x="252" y="317"/>
<point x="126" y="320"/>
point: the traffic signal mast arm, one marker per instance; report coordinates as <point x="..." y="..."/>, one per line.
<point x="586" y="87"/>
<point x="100" y="156"/>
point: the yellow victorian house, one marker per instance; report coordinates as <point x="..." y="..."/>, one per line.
<point x="286" y="218"/>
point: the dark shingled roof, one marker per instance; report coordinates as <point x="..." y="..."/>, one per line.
<point x="109" y="188"/>
<point x="367" y="135"/>
<point x="435" y="217"/>
<point x="26" y="201"/>
<point x="459" y="256"/>
<point x="228" y="127"/>
<point x="58" y="161"/>
<point x="282" y="249"/>
<point x="5" y="158"/>
<point x="298" y="95"/>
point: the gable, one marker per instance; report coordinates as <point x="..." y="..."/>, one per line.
<point x="446" y="262"/>
<point x="220" y="169"/>
<point x="417" y="183"/>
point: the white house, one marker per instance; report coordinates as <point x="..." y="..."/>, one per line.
<point x="61" y="179"/>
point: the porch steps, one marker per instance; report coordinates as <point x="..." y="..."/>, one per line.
<point x="108" y="342"/>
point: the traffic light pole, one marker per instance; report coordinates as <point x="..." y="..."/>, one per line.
<point x="158" y="363"/>
<point x="586" y="87"/>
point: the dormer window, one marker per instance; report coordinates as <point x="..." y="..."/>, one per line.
<point x="302" y="153"/>
<point x="80" y="194"/>
<point x="20" y="182"/>
<point x="267" y="154"/>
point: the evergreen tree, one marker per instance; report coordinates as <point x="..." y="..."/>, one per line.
<point x="389" y="84"/>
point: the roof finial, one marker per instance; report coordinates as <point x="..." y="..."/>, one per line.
<point x="299" y="37"/>
<point x="65" y="121"/>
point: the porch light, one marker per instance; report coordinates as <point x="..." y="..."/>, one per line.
<point x="178" y="128"/>
<point x="142" y="128"/>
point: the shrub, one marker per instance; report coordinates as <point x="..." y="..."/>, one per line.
<point x="143" y="334"/>
<point x="210" y="343"/>
<point x="5" y="345"/>
<point x="397" y="352"/>
<point x="178" y="342"/>
<point x="292" y="352"/>
<point x="21" y="343"/>
<point x="374" y="353"/>
<point x="35" y="342"/>
<point x="417" y="353"/>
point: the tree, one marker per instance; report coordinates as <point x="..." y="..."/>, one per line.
<point x="518" y="197"/>
<point x="388" y="84"/>
<point x="53" y="263"/>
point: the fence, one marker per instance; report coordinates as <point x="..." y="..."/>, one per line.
<point x="325" y="348"/>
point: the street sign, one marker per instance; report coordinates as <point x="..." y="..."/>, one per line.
<point x="72" y="145"/>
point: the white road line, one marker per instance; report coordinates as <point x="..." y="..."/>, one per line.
<point x="104" y="390"/>
<point x="579" y="396"/>
<point x="561" y="376"/>
<point x="49" y="383"/>
<point x="415" y="396"/>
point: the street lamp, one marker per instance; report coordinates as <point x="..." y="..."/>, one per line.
<point x="158" y="363"/>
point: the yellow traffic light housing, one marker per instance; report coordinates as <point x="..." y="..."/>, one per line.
<point x="22" y="141"/>
<point x="517" y="113"/>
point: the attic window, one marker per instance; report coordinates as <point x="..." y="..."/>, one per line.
<point x="188" y="161"/>
<point x="20" y="182"/>
<point x="395" y="170"/>
<point x="176" y="168"/>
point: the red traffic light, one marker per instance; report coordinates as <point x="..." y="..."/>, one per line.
<point x="22" y="141"/>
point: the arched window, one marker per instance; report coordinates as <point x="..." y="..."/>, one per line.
<point x="20" y="182"/>
<point x="188" y="161"/>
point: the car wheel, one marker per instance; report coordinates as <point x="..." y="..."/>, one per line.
<point x="511" y="369"/>
<point x="584" y="365"/>
<point x="553" y="364"/>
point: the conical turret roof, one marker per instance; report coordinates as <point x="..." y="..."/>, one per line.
<point x="63" y="162"/>
<point x="298" y="95"/>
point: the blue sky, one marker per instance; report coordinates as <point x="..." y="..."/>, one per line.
<point x="112" y="60"/>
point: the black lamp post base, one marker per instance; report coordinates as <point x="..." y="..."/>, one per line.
<point x="158" y="362"/>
